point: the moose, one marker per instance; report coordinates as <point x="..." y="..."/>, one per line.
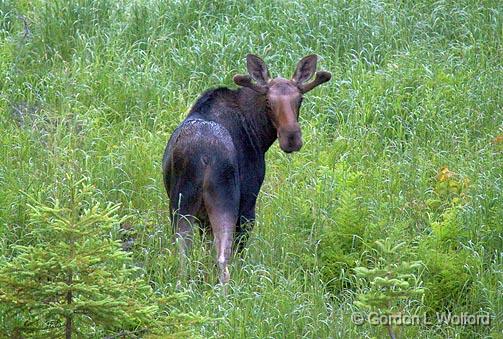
<point x="214" y="162"/>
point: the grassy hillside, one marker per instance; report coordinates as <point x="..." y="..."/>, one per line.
<point x="405" y="144"/>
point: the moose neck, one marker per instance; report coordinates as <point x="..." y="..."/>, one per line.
<point x="257" y="124"/>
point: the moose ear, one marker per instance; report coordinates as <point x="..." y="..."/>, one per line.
<point x="257" y="69"/>
<point x="305" y="69"/>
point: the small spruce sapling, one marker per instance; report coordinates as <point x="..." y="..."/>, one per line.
<point x="73" y="279"/>
<point x="388" y="283"/>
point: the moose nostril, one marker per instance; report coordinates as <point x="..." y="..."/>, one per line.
<point x="294" y="140"/>
<point x="297" y="144"/>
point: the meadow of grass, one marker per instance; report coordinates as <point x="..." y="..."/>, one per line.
<point x="96" y="88"/>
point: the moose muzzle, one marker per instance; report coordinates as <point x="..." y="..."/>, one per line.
<point x="290" y="138"/>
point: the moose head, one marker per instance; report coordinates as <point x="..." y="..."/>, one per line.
<point x="284" y="97"/>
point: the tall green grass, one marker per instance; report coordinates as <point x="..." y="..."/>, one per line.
<point x="98" y="86"/>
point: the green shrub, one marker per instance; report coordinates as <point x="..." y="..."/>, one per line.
<point x="448" y="232"/>
<point x="341" y="240"/>
<point x="449" y="190"/>
<point x="389" y="282"/>
<point x="448" y="275"/>
<point x="73" y="279"/>
<point x="448" y="278"/>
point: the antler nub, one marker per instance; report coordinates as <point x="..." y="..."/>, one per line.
<point x="246" y="81"/>
<point x="321" y="77"/>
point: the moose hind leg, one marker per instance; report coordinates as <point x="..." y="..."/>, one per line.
<point x="221" y="200"/>
<point x="182" y="239"/>
<point x="184" y="207"/>
<point x="223" y="231"/>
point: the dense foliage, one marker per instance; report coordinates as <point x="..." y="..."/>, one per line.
<point x="72" y="279"/>
<point x="404" y="144"/>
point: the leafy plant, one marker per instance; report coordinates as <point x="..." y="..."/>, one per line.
<point x="449" y="189"/>
<point x="448" y="232"/>
<point x="341" y="240"/>
<point x="448" y="275"/>
<point x="449" y="266"/>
